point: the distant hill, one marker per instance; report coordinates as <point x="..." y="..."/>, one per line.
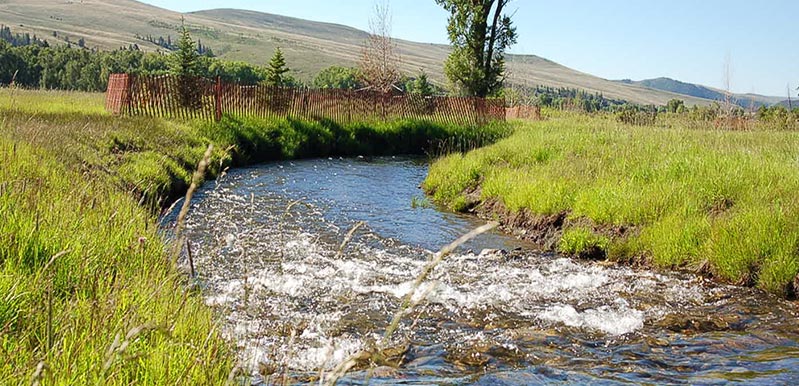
<point x="252" y="36"/>
<point x="704" y="92"/>
<point x="793" y="103"/>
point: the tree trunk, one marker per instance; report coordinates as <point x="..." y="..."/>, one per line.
<point x="491" y="41"/>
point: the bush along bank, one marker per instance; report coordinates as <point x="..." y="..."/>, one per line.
<point x="89" y="292"/>
<point x="719" y="203"/>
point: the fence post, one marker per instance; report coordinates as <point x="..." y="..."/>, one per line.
<point x="218" y="99"/>
<point x="127" y="97"/>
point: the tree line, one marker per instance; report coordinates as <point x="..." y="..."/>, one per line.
<point x="17" y="40"/>
<point x="31" y="62"/>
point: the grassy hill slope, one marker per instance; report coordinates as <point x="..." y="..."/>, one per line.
<point x="252" y="36"/>
<point x="704" y="92"/>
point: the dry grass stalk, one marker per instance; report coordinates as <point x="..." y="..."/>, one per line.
<point x="184" y="211"/>
<point x="231" y="379"/>
<point x="348" y="238"/>
<point x="345" y="366"/>
<point x="435" y="261"/>
<point x="41" y="369"/>
<point x="191" y="260"/>
<point x="13" y="87"/>
<point x="407" y="303"/>
<point x="118" y="347"/>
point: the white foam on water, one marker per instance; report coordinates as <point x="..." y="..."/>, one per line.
<point x="277" y="276"/>
<point x="608" y="319"/>
<point x="327" y="354"/>
<point x="225" y="294"/>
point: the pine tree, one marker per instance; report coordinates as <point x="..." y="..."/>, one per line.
<point x="184" y="63"/>
<point x="422" y="85"/>
<point x="276" y="70"/>
<point x="184" y="60"/>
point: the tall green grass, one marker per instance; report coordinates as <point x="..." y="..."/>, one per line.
<point x="51" y="101"/>
<point x="258" y="140"/>
<point x="722" y="202"/>
<point x="88" y="290"/>
<point x="82" y="266"/>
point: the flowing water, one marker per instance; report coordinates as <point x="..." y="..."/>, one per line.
<point x="265" y="244"/>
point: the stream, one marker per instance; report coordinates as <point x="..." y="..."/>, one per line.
<point x="267" y="241"/>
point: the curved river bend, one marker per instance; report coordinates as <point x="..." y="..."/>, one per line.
<point x="265" y="242"/>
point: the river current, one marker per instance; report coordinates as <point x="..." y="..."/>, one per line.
<point x="298" y="296"/>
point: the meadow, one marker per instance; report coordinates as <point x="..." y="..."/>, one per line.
<point x="89" y="289"/>
<point x="717" y="202"/>
<point x="91" y="293"/>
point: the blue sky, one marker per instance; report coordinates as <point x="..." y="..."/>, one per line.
<point x="613" y="39"/>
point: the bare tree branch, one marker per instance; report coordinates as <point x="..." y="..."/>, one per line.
<point x="379" y="63"/>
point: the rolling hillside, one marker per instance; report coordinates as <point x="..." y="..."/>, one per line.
<point x="704" y="92"/>
<point x="252" y="36"/>
<point x="789" y="104"/>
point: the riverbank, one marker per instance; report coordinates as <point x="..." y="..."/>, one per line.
<point x="719" y="203"/>
<point x="88" y="290"/>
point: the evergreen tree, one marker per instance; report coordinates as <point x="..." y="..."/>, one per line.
<point x="185" y="63"/>
<point x="184" y="60"/>
<point x="276" y="70"/>
<point x="421" y="85"/>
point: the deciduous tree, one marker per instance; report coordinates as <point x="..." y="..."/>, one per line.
<point x="379" y="63"/>
<point x="675" y="106"/>
<point x="480" y="33"/>
<point x="337" y="77"/>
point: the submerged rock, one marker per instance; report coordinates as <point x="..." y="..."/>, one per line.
<point x="493" y="254"/>
<point x="690" y="324"/>
<point x="384" y="372"/>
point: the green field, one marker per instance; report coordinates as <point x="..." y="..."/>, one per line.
<point x="721" y="203"/>
<point x="89" y="292"/>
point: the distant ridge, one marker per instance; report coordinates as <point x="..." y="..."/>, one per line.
<point x="793" y="103"/>
<point x="704" y="92"/>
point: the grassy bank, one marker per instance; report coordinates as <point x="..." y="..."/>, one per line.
<point x="717" y="202"/>
<point x="88" y="291"/>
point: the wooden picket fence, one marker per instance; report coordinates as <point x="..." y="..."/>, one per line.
<point x="530" y="113"/>
<point x="200" y="98"/>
